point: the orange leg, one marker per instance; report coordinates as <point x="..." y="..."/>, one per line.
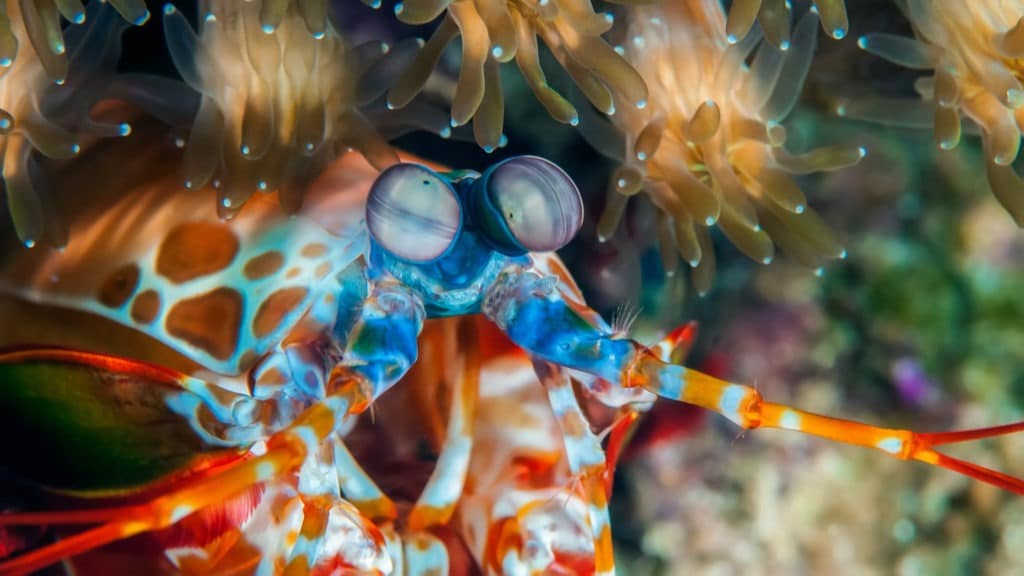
<point x="674" y="347"/>
<point x="425" y="553"/>
<point x="744" y="406"/>
<point x="437" y="502"/>
<point x="286" y="451"/>
<point x="585" y="456"/>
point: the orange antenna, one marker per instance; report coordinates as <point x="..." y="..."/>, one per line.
<point x="745" y="406"/>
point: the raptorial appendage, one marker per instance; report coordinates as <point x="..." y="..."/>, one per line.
<point x="522" y="485"/>
<point x="773" y="16"/>
<point x="277" y="103"/>
<point x="976" y="50"/>
<point x="495" y="32"/>
<point x="709" y="148"/>
<point x="44" y="107"/>
<point x="577" y="339"/>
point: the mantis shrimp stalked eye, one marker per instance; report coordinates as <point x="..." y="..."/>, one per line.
<point x="527" y="204"/>
<point x="495" y="32"/>
<point x="975" y="50"/>
<point x="288" y="329"/>
<point x="413" y="213"/>
<point x="523" y="204"/>
<point x="709" y="149"/>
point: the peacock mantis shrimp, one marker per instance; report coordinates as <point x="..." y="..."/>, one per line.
<point x="266" y="338"/>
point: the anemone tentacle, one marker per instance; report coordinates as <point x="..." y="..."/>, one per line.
<point x="975" y="50"/>
<point x="495" y="32"/>
<point x="41" y="117"/>
<point x="709" y="148"/>
<point x="276" y="103"/>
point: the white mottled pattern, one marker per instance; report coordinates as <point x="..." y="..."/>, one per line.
<point x="891" y="445"/>
<point x="731" y="400"/>
<point x="790" y="420"/>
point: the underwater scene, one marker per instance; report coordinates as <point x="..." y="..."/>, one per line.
<point x="524" y="287"/>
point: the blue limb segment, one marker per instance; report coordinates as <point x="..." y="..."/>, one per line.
<point x="536" y="313"/>
<point x="381" y="344"/>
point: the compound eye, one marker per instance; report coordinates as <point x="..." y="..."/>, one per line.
<point x="531" y="204"/>
<point x="413" y="213"/>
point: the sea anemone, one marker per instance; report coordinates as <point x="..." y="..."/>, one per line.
<point x="276" y="103"/>
<point x="38" y="115"/>
<point x="312" y="12"/>
<point x="708" y="148"/>
<point x="773" y="16"/>
<point x="976" y="51"/>
<point x="38" y="21"/>
<point x="494" y="32"/>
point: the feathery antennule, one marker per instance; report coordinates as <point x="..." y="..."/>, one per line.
<point x="709" y="148"/>
<point x="624" y="317"/>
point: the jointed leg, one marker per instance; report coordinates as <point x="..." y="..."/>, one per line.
<point x="334" y="534"/>
<point x="359" y="488"/>
<point x="424" y="552"/>
<point x="539" y="315"/>
<point x="437" y="502"/>
<point x="286" y="451"/>
<point x="744" y="406"/>
<point x="674" y="347"/>
<point x="587" y="460"/>
<point x="585" y="456"/>
<point x="380" y="345"/>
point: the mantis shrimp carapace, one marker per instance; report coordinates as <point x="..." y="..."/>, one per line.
<point x="223" y="411"/>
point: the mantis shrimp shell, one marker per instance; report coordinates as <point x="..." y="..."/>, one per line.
<point x="272" y="426"/>
<point x="161" y="263"/>
<point x="219" y="293"/>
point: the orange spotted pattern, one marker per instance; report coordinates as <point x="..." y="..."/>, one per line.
<point x="146" y="307"/>
<point x="119" y="286"/>
<point x="209" y="322"/>
<point x="263" y="265"/>
<point x="196" y="249"/>
<point x="274" y="309"/>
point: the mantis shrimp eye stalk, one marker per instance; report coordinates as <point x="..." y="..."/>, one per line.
<point x="527" y="204"/>
<point x="38" y="115"/>
<point x="975" y="51"/>
<point x="276" y="102"/>
<point x="708" y="150"/>
<point x="413" y="213"/>
<point x="496" y="32"/>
